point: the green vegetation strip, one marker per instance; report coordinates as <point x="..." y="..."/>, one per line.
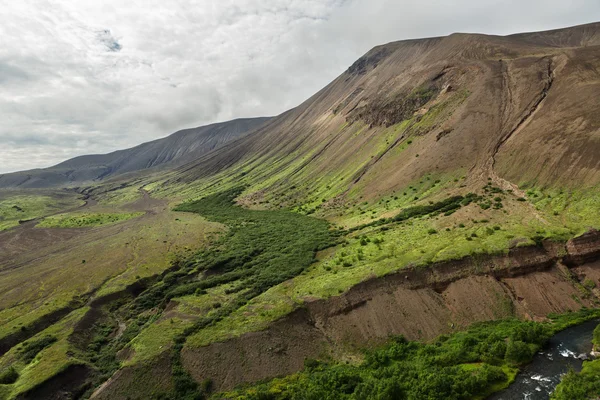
<point x="85" y="220"/>
<point x="447" y="206"/>
<point x="260" y="250"/>
<point x="464" y="365"/>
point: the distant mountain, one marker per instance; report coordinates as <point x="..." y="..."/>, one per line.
<point x="177" y="149"/>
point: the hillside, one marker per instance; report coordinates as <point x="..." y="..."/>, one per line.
<point x="438" y="202"/>
<point x="176" y="149"/>
<point x="520" y="109"/>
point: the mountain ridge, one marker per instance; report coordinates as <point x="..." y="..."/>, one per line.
<point x="175" y="149"/>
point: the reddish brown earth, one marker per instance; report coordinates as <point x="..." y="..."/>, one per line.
<point x="25" y="238"/>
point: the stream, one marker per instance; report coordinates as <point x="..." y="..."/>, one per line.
<point x="537" y="380"/>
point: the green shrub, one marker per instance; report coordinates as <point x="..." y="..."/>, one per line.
<point x="596" y="337"/>
<point x="207" y="385"/>
<point x="8" y="376"/>
<point x="451" y="203"/>
<point x="582" y="386"/>
<point x="589" y="284"/>
<point x="485" y="205"/>
<point x="31" y="348"/>
<point x="518" y="352"/>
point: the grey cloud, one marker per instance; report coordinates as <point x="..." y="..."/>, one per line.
<point x="87" y="76"/>
<point x="106" y="38"/>
<point x="10" y="73"/>
<point x="23" y="140"/>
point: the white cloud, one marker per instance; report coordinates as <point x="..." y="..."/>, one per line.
<point x="80" y="77"/>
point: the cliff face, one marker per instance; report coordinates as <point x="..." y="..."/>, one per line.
<point x="528" y="283"/>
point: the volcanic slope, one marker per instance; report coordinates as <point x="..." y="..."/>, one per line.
<point x="176" y="149"/>
<point x="520" y="109"/>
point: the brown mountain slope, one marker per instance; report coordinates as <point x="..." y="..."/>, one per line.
<point x="520" y="109"/>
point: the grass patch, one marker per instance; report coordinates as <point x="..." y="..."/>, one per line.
<point x="16" y="208"/>
<point x="31" y="348"/>
<point x="84" y="220"/>
<point x="118" y="195"/>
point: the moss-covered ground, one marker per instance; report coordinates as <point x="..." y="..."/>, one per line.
<point x="83" y="220"/>
<point x="41" y="357"/>
<point x="16" y="207"/>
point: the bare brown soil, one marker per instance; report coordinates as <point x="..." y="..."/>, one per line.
<point x="132" y="383"/>
<point x="25" y="238"/>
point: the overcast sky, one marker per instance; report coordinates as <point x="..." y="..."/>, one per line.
<point x="88" y="76"/>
